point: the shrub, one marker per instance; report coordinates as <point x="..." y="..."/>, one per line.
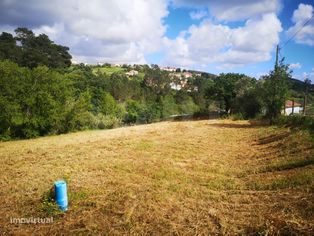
<point x="237" y="116"/>
<point x="101" y="121"/>
<point x="296" y="121"/>
<point x="188" y="107"/>
<point x="148" y="113"/>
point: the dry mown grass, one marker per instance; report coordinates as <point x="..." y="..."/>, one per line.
<point x="170" y="178"/>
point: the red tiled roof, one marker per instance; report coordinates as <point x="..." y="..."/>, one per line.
<point x="289" y="103"/>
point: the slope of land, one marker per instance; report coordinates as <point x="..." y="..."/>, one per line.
<point x="169" y="178"/>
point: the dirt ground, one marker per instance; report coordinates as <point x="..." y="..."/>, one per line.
<point x="210" y="177"/>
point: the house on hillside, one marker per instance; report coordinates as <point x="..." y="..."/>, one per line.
<point x="132" y="73"/>
<point x="168" y="68"/>
<point x="115" y="65"/>
<point x="292" y="107"/>
<point x="187" y="74"/>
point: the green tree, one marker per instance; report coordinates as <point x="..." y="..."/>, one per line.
<point x="33" y="100"/>
<point x="185" y="103"/>
<point x="224" y="89"/>
<point x="157" y="81"/>
<point x="169" y="106"/>
<point x="248" y="100"/>
<point x="12" y="84"/>
<point x="108" y="105"/>
<point x="149" y="112"/>
<point x="275" y="90"/>
<point x="77" y="115"/>
<point x="30" y="50"/>
<point x="133" y="109"/>
<point x="199" y="93"/>
<point x="8" y="48"/>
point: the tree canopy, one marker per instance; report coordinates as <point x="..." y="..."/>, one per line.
<point x="27" y="49"/>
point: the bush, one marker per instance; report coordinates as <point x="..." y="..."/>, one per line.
<point x="188" y="107"/>
<point x="148" y="113"/>
<point x="296" y="121"/>
<point x="101" y="121"/>
<point x="169" y="106"/>
<point x="132" y="110"/>
<point x="108" y="105"/>
<point x="237" y="116"/>
<point x="137" y="112"/>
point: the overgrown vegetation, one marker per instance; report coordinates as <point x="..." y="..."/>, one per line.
<point x="296" y="121"/>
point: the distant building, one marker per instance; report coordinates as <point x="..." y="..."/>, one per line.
<point x="292" y="107"/>
<point x="178" y="84"/>
<point x="175" y="86"/>
<point x="116" y="65"/>
<point x="168" y="68"/>
<point x="132" y="73"/>
<point x="187" y="74"/>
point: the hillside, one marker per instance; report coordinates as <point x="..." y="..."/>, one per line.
<point x="182" y="178"/>
<point x="299" y="86"/>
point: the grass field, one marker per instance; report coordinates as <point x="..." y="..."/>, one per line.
<point x="214" y="177"/>
<point x="108" y="70"/>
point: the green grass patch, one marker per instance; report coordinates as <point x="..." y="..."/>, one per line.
<point x="77" y="195"/>
<point x="297" y="180"/>
<point x="220" y="183"/>
<point x="288" y="165"/>
<point x="108" y="70"/>
<point x="48" y="205"/>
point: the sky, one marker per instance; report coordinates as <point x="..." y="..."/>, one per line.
<point x="217" y="36"/>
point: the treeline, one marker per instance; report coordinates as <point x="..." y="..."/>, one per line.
<point x="41" y="101"/>
<point x="46" y="96"/>
<point x="27" y="49"/>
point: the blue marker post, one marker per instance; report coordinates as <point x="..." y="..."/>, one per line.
<point x="61" y="195"/>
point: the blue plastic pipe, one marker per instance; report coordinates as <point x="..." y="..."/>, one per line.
<point x="61" y="195"/>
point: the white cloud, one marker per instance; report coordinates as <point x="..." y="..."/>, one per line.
<point x="308" y="75"/>
<point x="295" y="66"/>
<point x="234" y="10"/>
<point x="304" y="34"/>
<point x="197" y="15"/>
<point x="110" y="30"/>
<point x="126" y="30"/>
<point x="212" y="43"/>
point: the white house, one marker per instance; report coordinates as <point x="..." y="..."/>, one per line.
<point x="292" y="107"/>
<point x="132" y="73"/>
<point x="168" y="68"/>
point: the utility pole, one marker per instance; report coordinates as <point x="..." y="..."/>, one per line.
<point x="277" y="52"/>
<point x="307" y="83"/>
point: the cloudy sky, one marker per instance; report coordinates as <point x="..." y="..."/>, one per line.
<point x="210" y="35"/>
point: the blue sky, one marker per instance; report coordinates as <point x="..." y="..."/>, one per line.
<point x="179" y="19"/>
<point x="210" y="35"/>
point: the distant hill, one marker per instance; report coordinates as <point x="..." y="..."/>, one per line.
<point x="298" y="85"/>
<point x="205" y="74"/>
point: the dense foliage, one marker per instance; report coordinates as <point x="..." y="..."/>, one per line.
<point x="41" y="94"/>
<point x="27" y="49"/>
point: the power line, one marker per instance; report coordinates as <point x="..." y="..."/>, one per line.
<point x="298" y="31"/>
